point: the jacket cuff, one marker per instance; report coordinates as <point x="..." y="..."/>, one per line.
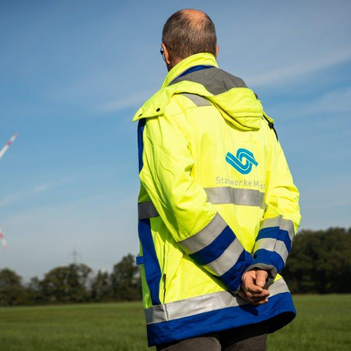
<point x="270" y="269"/>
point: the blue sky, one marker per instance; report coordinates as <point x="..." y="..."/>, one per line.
<point x="74" y="72"/>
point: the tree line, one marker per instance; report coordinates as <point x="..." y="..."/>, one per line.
<point x="319" y="263"/>
<point x="73" y="284"/>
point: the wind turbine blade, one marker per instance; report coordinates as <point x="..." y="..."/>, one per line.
<point x="2" y="238"/>
<point x="5" y="148"/>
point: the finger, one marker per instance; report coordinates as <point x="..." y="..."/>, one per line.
<point x="252" y="288"/>
<point x="252" y="300"/>
<point x="261" y="277"/>
<point x="259" y="298"/>
<point x="261" y="302"/>
<point x="257" y="302"/>
<point x="263" y="294"/>
<point x="249" y="276"/>
<point x="249" y="285"/>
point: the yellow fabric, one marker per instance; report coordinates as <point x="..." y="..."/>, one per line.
<point x="238" y="106"/>
<point x="184" y="152"/>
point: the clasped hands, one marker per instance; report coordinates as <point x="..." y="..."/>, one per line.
<point x="252" y="287"/>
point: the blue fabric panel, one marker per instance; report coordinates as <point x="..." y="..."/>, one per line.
<point x="193" y="69"/>
<point x="269" y="257"/>
<point x="151" y="265"/>
<point x="141" y="126"/>
<point x="232" y="278"/>
<point x="266" y="233"/>
<point x="139" y="260"/>
<point x="280" y="307"/>
<point x="283" y="235"/>
<point x="215" y="249"/>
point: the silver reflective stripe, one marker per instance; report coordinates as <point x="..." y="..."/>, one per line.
<point x="221" y="195"/>
<point x="267" y="244"/>
<point x="146" y="210"/>
<point x="271" y="222"/>
<point x="228" y="195"/>
<point x="283" y="224"/>
<point x="201" y="304"/>
<point x="204" y="237"/>
<point x="280" y="248"/>
<point x="288" y="225"/>
<point x="198" y="100"/>
<point x="271" y="244"/>
<point x="227" y="260"/>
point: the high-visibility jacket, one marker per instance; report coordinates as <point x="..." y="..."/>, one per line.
<point x="216" y="198"/>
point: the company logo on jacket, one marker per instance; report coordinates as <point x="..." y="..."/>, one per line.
<point x="237" y="161"/>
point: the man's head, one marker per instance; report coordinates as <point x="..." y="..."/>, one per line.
<point x="188" y="32"/>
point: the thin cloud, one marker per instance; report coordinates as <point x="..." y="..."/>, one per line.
<point x="36" y="190"/>
<point x="42" y="188"/>
<point x="335" y="101"/>
<point x="133" y="100"/>
<point x="48" y="186"/>
<point x="285" y="74"/>
<point x="288" y="73"/>
<point x="9" y="199"/>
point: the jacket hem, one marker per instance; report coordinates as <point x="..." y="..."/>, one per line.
<point x="280" y="310"/>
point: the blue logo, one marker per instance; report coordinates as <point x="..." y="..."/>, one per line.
<point x="236" y="161"/>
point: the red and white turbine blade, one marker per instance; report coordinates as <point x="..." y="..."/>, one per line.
<point x="2" y="238"/>
<point x="5" y="148"/>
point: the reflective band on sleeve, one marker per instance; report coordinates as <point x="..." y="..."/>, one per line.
<point x="201" y="304"/>
<point x="271" y="222"/>
<point x="280" y="249"/>
<point x="277" y="246"/>
<point x="276" y="235"/>
<point x="228" y="195"/>
<point x="204" y="237"/>
<point x="288" y="226"/>
<point x="267" y="244"/>
<point x="146" y="210"/>
<point x="282" y="223"/>
<point x="227" y="260"/>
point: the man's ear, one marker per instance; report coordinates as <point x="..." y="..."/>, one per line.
<point x="166" y="53"/>
<point x="217" y="49"/>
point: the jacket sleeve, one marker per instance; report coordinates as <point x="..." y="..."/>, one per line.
<point x="194" y="223"/>
<point x="280" y="221"/>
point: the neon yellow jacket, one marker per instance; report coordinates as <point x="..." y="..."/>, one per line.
<point x="216" y="198"/>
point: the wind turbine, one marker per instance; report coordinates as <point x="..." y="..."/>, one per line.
<point x="2" y="152"/>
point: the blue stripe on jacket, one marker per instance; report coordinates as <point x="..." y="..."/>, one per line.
<point x="279" y="310"/>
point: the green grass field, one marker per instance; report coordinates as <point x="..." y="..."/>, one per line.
<point x="323" y="323"/>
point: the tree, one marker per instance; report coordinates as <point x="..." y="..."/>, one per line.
<point x="11" y="290"/>
<point x="67" y="284"/>
<point x="101" y="289"/>
<point x="35" y="292"/>
<point x="125" y="280"/>
<point x="320" y="262"/>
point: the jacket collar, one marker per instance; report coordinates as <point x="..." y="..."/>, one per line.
<point x="203" y="59"/>
<point x="155" y="106"/>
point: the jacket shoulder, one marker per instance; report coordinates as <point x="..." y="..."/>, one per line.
<point x="181" y="102"/>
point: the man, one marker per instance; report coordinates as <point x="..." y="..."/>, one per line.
<point x="218" y="208"/>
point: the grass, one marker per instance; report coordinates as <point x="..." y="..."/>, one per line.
<point x="115" y="326"/>
<point x="323" y="323"/>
